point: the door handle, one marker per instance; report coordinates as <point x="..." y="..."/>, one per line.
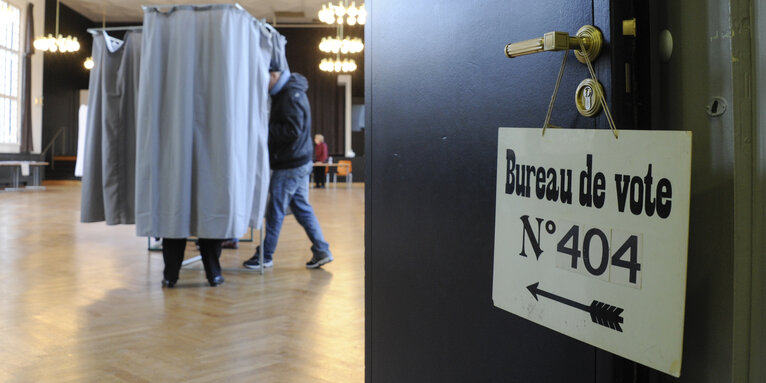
<point x="590" y="36"/>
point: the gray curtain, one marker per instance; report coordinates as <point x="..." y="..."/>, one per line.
<point x="202" y="163"/>
<point x="278" y="58"/>
<point x="27" y="144"/>
<point x="108" y="182"/>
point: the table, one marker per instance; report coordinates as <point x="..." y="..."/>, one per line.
<point x="16" y="176"/>
<point x="335" y="172"/>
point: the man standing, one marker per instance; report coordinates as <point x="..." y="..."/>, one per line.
<point x="290" y="158"/>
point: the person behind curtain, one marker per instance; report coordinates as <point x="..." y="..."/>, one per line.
<point x="320" y="157"/>
<point x="173" y="255"/>
<point x="290" y="155"/>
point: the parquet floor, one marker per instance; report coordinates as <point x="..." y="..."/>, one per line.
<point x="83" y="302"/>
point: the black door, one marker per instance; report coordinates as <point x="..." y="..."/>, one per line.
<point x="438" y="85"/>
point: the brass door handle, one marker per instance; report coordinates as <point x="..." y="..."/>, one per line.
<point x="591" y="38"/>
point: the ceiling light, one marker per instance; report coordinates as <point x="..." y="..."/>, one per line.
<point x="58" y="43"/>
<point x="343" y="12"/>
<point x="336" y="65"/>
<point x="339" y="45"/>
<point x="347" y="45"/>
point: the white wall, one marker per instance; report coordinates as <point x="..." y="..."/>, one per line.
<point x="37" y="78"/>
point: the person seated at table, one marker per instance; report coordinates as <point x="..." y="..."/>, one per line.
<point x="320" y="156"/>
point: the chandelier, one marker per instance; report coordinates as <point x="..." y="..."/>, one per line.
<point x="58" y="43"/>
<point x="341" y="14"/>
<point x="332" y="14"/>
<point x="337" y="65"/>
<point x="347" y="45"/>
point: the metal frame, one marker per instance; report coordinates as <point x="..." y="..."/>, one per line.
<point x="150" y="248"/>
<point x="197" y="258"/>
<point x="94" y="31"/>
<point x="190" y="6"/>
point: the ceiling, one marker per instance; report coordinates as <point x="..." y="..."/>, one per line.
<point x="285" y="11"/>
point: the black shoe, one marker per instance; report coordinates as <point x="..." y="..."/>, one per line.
<point x="218" y="280"/>
<point x="168" y="284"/>
<point x="230" y="244"/>
<point x="255" y="263"/>
<point x="319" y="260"/>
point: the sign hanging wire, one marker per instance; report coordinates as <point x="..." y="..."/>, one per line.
<point x="555" y="91"/>
<point x="607" y="111"/>
<point x="599" y="93"/>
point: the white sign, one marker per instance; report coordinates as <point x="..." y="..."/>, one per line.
<point x="591" y="237"/>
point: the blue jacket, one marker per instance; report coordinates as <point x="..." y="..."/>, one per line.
<point x="290" y="144"/>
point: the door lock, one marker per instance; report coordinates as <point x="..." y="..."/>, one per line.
<point x="590" y="36"/>
<point x="588" y="97"/>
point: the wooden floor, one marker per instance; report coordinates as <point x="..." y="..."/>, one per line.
<point x="83" y="302"/>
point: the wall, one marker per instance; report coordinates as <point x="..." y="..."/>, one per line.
<point x="758" y="317"/>
<point x="326" y="98"/>
<point x="711" y="58"/>
<point x="37" y="76"/>
<point x="37" y="79"/>
<point x="65" y="76"/>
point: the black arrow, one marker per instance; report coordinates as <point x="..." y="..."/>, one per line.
<point x="601" y="313"/>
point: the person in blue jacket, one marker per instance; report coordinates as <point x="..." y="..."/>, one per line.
<point x="290" y="157"/>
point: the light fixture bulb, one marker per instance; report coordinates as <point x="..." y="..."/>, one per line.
<point x="338" y="14"/>
<point x="41" y="44"/>
<point x="72" y="45"/>
<point x="362" y="18"/>
<point x="88" y="64"/>
<point x="57" y="44"/>
<point x="352" y="11"/>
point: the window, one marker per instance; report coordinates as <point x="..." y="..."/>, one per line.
<point x="10" y="58"/>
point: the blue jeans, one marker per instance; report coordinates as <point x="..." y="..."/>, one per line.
<point x="289" y="187"/>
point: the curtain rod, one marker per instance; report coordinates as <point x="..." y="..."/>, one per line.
<point x="165" y="6"/>
<point x="94" y="31"/>
<point x="304" y="25"/>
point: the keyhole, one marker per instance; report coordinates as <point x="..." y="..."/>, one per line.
<point x="716" y="107"/>
<point x="588" y="93"/>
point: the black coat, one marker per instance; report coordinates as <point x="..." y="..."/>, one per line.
<point x="290" y="144"/>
